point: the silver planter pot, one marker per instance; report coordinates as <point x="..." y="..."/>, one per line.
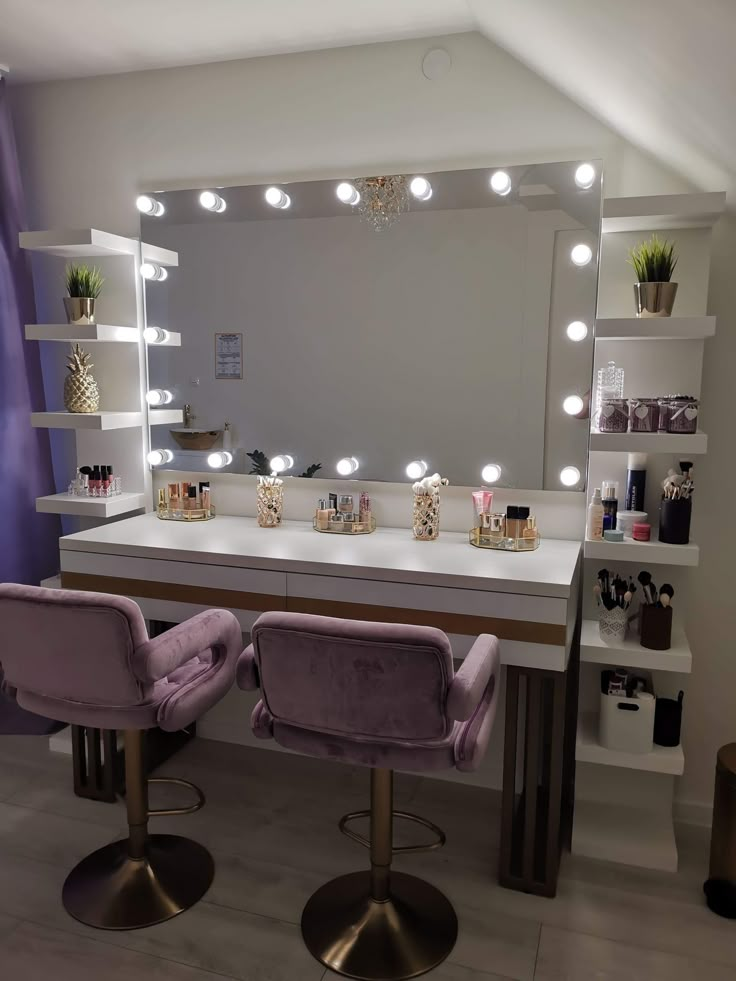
<point x="654" y="299"/>
<point x="79" y="309"/>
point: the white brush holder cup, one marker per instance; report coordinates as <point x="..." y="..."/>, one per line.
<point x="612" y="625"/>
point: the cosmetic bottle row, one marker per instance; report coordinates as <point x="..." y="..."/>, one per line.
<point x="185" y="502"/>
<point x="95" y="481"/>
<point x="346" y="514"/>
<point x="514" y="531"/>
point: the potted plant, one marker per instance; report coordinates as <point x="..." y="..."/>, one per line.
<point x="84" y="285"/>
<point x="654" y="263"/>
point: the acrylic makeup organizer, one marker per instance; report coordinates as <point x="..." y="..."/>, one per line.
<point x="190" y="514"/>
<point x="501" y="543"/>
<point x="363" y="527"/>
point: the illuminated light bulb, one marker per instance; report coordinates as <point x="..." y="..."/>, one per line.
<point x="421" y="188"/>
<point x="157" y="457"/>
<point x="277" y="198"/>
<point x="569" y="476"/>
<point x="573" y="405"/>
<point x="501" y="182"/>
<point x="159" y="396"/>
<point x="281" y="463"/>
<point x="490" y="473"/>
<point x="577" y="330"/>
<point x="212" y="202"/>
<point x="416" y="469"/>
<point x="153" y="272"/>
<point x="346" y="466"/>
<point x="585" y="175"/>
<point x="581" y="254"/>
<point x="347" y="193"/>
<point x="223" y="458"/>
<point x="149" y="206"/>
<point x="155" y="335"/>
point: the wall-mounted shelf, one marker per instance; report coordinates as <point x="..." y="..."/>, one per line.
<point x="657" y="212"/>
<point x="91" y="507"/>
<point x="662" y="759"/>
<point x="629" y="835"/>
<point x="687" y="443"/>
<point x="165" y="417"/>
<point x="654" y="328"/>
<point x="82" y="333"/>
<point x="631" y="654"/>
<point x="155" y="253"/>
<point x="646" y="553"/>
<point x="86" y="420"/>
<point x="78" y="243"/>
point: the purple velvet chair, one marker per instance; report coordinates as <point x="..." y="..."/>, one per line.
<point x="85" y="658"/>
<point x="385" y="696"/>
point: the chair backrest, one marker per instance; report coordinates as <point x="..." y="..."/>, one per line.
<point x="353" y="677"/>
<point x="70" y="645"/>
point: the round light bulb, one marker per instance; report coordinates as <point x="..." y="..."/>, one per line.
<point x="569" y="476"/>
<point x="585" y="175"/>
<point x="573" y="405"/>
<point x="212" y="202"/>
<point x="223" y="458"/>
<point x="346" y="466"/>
<point x="277" y="198"/>
<point x="500" y="182"/>
<point x="155" y="335"/>
<point x="159" y="396"/>
<point x="490" y="473"/>
<point x="157" y="457"/>
<point x="581" y="254"/>
<point x="281" y="463"/>
<point x="416" y="469"/>
<point x="347" y="193"/>
<point x="149" y="206"/>
<point x="421" y="188"/>
<point x="153" y="272"/>
<point x="577" y="330"/>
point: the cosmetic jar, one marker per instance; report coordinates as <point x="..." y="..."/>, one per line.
<point x="614" y="416"/>
<point x="497" y="523"/>
<point x="613" y="535"/>
<point x="484" y="520"/>
<point x="625" y="520"/>
<point x="643" y="415"/>
<point x="683" y="414"/>
<point x="641" y="531"/>
<point x="345" y="503"/>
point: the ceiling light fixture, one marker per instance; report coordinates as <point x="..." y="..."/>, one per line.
<point x="347" y="466"/>
<point x="158" y="457"/>
<point x="277" y="198"/>
<point x="569" y="476"/>
<point x="382" y="199"/>
<point x="149" y="206"/>
<point x="416" y="469"/>
<point x="223" y="458"/>
<point x="212" y="202"/>
<point x="155" y="335"/>
<point x="279" y="464"/>
<point x="159" y="396"/>
<point x="573" y="405"/>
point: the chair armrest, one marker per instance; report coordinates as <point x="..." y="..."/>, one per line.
<point x="158" y="658"/>
<point x="246" y="673"/>
<point x="470" y="682"/>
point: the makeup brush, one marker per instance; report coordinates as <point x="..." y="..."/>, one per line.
<point x="645" y="579"/>
<point x="665" y="594"/>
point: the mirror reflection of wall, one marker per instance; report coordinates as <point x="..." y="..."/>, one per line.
<point x="389" y="329"/>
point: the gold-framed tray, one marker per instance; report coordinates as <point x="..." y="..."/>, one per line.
<point x="347" y="527"/>
<point x="500" y="543"/>
<point x="190" y="514"/>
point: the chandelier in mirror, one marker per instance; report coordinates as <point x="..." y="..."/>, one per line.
<point x="382" y="199"/>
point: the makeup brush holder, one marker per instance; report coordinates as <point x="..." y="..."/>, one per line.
<point x="269" y="505"/>
<point x="656" y="627"/>
<point x="613" y="624"/>
<point x="426" y="517"/>
<point x="668" y="721"/>
<point x="674" y="520"/>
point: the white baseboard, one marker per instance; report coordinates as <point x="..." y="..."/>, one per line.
<point x="693" y="812"/>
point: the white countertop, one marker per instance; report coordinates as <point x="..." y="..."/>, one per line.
<point x="389" y="554"/>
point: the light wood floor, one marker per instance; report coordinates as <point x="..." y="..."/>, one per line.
<point x="270" y="822"/>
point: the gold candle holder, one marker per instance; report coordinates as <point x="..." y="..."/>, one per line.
<point x="426" y="516"/>
<point x="269" y="504"/>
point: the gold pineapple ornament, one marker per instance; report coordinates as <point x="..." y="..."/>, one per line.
<point x="80" y="389"/>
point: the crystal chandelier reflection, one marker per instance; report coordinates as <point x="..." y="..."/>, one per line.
<point x="382" y="199"/>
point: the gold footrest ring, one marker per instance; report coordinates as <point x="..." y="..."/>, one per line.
<point x="432" y="846"/>
<point x="172" y="811"/>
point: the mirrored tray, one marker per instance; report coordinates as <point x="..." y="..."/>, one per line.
<point x="501" y="543"/>
<point x="347" y="527"/>
<point x="191" y="514"/>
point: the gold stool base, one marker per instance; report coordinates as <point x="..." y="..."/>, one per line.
<point x="353" y="935"/>
<point x="111" y="891"/>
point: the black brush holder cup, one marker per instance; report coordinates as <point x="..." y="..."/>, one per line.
<point x="674" y="521"/>
<point x="656" y="627"/>
<point x="668" y="721"/>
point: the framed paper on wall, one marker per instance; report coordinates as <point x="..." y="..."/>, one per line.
<point x="228" y="356"/>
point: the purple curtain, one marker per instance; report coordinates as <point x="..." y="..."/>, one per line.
<point x="29" y="550"/>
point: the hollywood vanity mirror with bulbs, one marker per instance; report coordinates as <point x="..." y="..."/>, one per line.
<point x="443" y="317"/>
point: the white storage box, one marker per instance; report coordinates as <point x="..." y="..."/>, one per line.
<point x="627" y="724"/>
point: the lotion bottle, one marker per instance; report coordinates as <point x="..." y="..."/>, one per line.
<point x="594" y="525"/>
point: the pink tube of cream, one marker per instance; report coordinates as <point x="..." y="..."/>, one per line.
<point x="482" y="501"/>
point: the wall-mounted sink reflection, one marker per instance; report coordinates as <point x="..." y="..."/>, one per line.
<point x="196" y="439"/>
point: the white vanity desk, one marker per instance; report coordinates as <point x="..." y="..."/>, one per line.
<point x="529" y="600"/>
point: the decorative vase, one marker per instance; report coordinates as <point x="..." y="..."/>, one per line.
<point x="654" y="299"/>
<point x="426" y="517"/>
<point x="269" y="504"/>
<point x="80" y="309"/>
<point x="80" y="388"/>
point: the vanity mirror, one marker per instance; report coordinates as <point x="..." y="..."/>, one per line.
<point x="382" y="323"/>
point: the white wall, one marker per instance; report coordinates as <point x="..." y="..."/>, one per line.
<point x="324" y="114"/>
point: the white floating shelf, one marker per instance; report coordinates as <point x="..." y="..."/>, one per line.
<point x="689" y="443"/>
<point x="646" y="553"/>
<point x="654" y="328"/>
<point x="154" y="253"/>
<point x="78" y="243"/>
<point x="82" y="333"/>
<point x="165" y="417"/>
<point x="92" y="507"/>
<point x="627" y="835"/>
<point x="86" y="420"/>
<point x="173" y="340"/>
<point x="595" y="650"/>
<point x="656" y="212"/>
<point x="662" y="759"/>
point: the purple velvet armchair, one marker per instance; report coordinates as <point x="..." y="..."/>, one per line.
<point x="86" y="659"/>
<point x="385" y="696"/>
